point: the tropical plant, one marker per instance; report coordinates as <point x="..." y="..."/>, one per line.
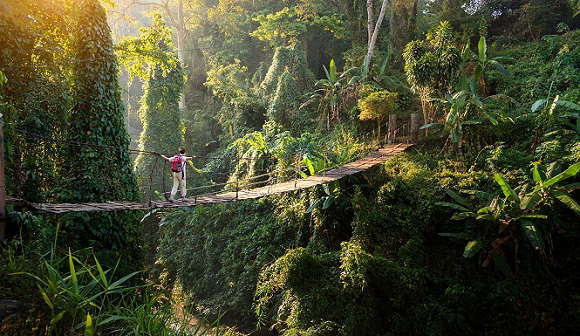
<point x="331" y="94"/>
<point x="281" y="28"/>
<point x="483" y="62"/>
<point x="504" y="210"/>
<point x="332" y="191"/>
<point x="97" y="118"/>
<point x="464" y="104"/>
<point x="78" y="292"/>
<point x="542" y="109"/>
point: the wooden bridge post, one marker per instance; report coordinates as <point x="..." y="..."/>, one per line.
<point x="392" y="128"/>
<point x="2" y="182"/>
<point x="414" y="128"/>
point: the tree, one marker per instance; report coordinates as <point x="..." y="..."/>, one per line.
<point x="176" y="18"/>
<point x="281" y="28"/>
<point x="331" y="94"/>
<point x="35" y="56"/>
<point x="151" y="58"/>
<point x="90" y="173"/>
<point x="378" y="105"/>
<point x="432" y="67"/>
<point x="373" y="29"/>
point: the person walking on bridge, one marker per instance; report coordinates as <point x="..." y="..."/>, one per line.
<point x="178" y="164"/>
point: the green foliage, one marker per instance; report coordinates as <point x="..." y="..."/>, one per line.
<point x="216" y="253"/>
<point x="291" y="59"/>
<point x="284" y="108"/>
<point x="499" y="212"/>
<point x="142" y="55"/>
<point x="96" y="117"/>
<point x="378" y="105"/>
<point x="281" y="28"/>
<point x="81" y="290"/>
<point x="483" y="61"/>
<point x="150" y="57"/>
<point x="432" y="66"/>
<point x="332" y="95"/>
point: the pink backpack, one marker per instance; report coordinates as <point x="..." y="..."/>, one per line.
<point x="176" y="164"/>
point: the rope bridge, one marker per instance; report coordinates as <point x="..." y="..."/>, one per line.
<point x="270" y="183"/>
<point x="237" y="192"/>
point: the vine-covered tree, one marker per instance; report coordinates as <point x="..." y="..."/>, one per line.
<point x="289" y="59"/>
<point x="284" y="108"/>
<point x="34" y="56"/>
<point x="100" y="168"/>
<point x="150" y="57"/>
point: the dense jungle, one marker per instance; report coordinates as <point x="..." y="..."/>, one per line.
<point x="474" y="230"/>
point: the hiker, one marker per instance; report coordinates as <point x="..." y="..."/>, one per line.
<point x="178" y="163"/>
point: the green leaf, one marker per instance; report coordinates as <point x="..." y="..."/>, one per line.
<point x="539" y="103"/>
<point x="566" y="199"/>
<point x="487" y="209"/>
<point x="452" y="206"/>
<point x="482" y="48"/>
<point x="332" y="71"/>
<point x="534" y="235"/>
<point x="101" y="273"/>
<point x="315" y="205"/>
<point x="536" y="173"/>
<point x="385" y="60"/>
<point x="431" y="125"/>
<point x="478" y="193"/>
<point x="472" y="248"/>
<point x="454" y="136"/>
<point x="57" y="318"/>
<point x="533" y="215"/>
<point x="505" y="59"/>
<point x="570" y="172"/>
<point x="327" y="202"/>
<point x="45" y="297"/>
<point x="506" y="189"/>
<point x="122" y="280"/>
<point x="326" y="188"/>
<point x="73" y="273"/>
<point x="567" y="104"/>
<point x="478" y="72"/>
<point x="529" y="201"/>
<point x="463" y="83"/>
<point x="466" y="52"/>
<point x="89" y="327"/>
<point x="458" y="198"/>
<point x="502" y="264"/>
<point x="500" y="67"/>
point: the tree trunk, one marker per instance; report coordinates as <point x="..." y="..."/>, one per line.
<point x="370" y="18"/>
<point x="375" y="29"/>
<point x="180" y="43"/>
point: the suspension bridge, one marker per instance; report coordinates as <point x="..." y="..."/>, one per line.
<point x="236" y="193"/>
<point x="270" y="183"/>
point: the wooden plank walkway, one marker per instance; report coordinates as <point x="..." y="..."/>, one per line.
<point x="375" y="158"/>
